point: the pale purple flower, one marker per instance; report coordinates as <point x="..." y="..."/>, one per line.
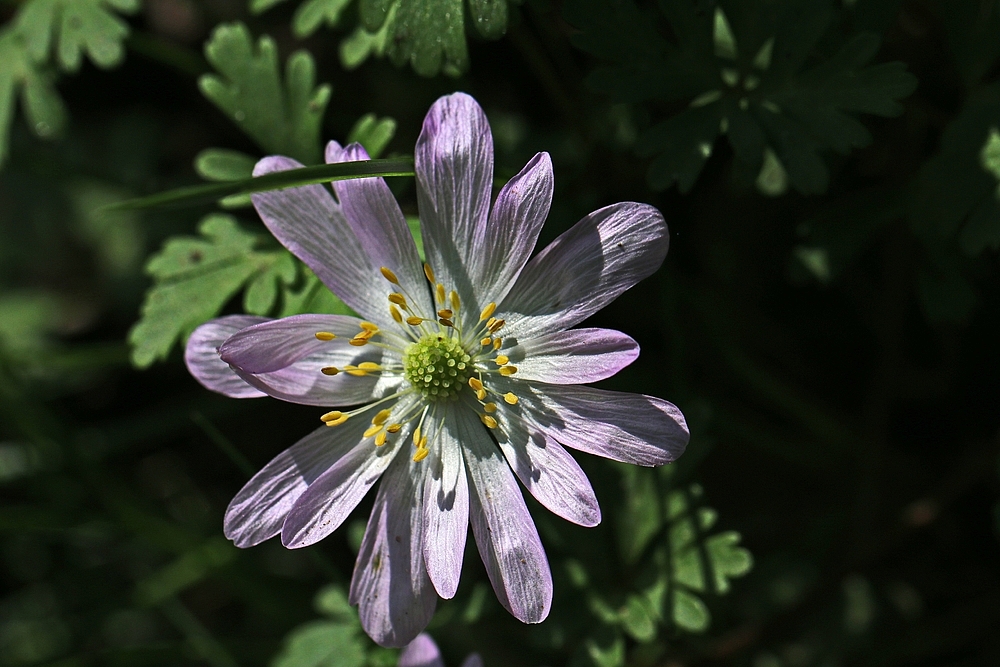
<point x="423" y="652"/>
<point x="465" y="369"/>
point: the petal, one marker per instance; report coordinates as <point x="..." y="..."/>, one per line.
<point x="259" y="509"/>
<point x="632" y="428"/>
<point x="308" y="221"/>
<point x="276" y="344"/>
<point x="379" y="224"/>
<point x="333" y="495"/>
<point x="284" y="359"/>
<point x="473" y="661"/>
<point x="454" y="165"/>
<point x="586" y="268"/>
<point x="505" y="534"/>
<point x="394" y="596"/>
<point x="202" y="356"/>
<point x="517" y="217"/>
<point x="446" y="505"/>
<point x="421" y="652"/>
<point x="549" y="472"/>
<point x="576" y="356"/>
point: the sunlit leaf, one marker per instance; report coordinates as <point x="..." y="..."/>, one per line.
<point x="373" y="133"/>
<point x="283" y="117"/>
<point x="71" y="28"/>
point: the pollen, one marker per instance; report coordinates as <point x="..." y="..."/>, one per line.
<point x="329" y="370"/>
<point x="489" y="421"/>
<point x="325" y="335"/>
<point x="380" y="438"/>
<point x="436" y="366"/>
<point x="396" y="315"/>
<point x="501" y="359"/>
<point x="507" y="371"/>
<point x="372" y="430"/>
<point x="381" y="417"/>
<point x="421" y="454"/>
<point x="429" y="273"/>
<point x="414" y="321"/>
<point x="510" y="398"/>
<point x="487" y="311"/>
<point x="490" y="407"/>
<point x="393" y="428"/>
<point x="389" y="275"/>
<point x="398" y="299"/>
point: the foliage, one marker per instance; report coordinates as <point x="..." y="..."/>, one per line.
<point x="744" y="72"/>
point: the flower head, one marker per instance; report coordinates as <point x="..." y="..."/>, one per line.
<point x="464" y="372"/>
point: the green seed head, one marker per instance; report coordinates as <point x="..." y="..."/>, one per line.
<point x="437" y="367"/>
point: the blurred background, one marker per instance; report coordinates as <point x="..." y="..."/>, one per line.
<point x="826" y="318"/>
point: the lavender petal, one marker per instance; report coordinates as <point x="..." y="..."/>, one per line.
<point x="421" y="652"/>
<point x="202" y="356"/>
<point x="575" y="356"/>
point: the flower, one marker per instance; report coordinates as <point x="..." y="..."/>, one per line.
<point x="465" y="370"/>
<point x="423" y="652"/>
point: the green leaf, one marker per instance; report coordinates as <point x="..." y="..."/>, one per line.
<point x="185" y="571"/>
<point x="194" y="277"/>
<point x="743" y="74"/>
<point x="21" y="77"/>
<point x="637" y="619"/>
<point x="312" y="296"/>
<point x="323" y="173"/>
<point x="689" y="612"/>
<point x="283" y="118"/>
<point x="311" y="14"/>
<point x="74" y="27"/>
<point x="607" y="650"/>
<point x="640" y="518"/>
<point x="362" y="43"/>
<point x="322" y="644"/>
<point x="223" y="165"/>
<point x="26" y="318"/>
<point x="372" y="133"/>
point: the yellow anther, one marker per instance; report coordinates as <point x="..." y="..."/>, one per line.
<point x="369" y="366"/>
<point x="372" y="430"/>
<point x="331" y="416"/>
<point x="420" y="455"/>
<point x="325" y="335"/>
<point x="338" y="421"/>
<point x="486" y="341"/>
<point x="497" y="343"/>
<point x="360" y="372"/>
<point x="446" y="322"/>
<point x="366" y="334"/>
<point x="381" y="417"/>
<point x="481" y="394"/>
<point x="439" y="293"/>
<point x="429" y="272"/>
<point x="414" y="321"/>
<point x="358" y="342"/>
<point x="490" y="322"/>
<point x="329" y="370"/>
<point x="475" y="384"/>
<point x="497" y="325"/>
<point x="393" y="428"/>
<point x="510" y="398"/>
<point x="507" y="371"/>
<point x="487" y="311"/>
<point x="398" y="299"/>
<point x="445" y="313"/>
<point x="490" y="407"/>
<point x="501" y="359"/>
<point x="368" y="326"/>
<point x="380" y="438"/>
<point x="389" y="275"/>
<point x="396" y="315"/>
<point x="456" y="303"/>
<point x="423" y="443"/>
<point x="489" y="421"/>
<point x="416" y="436"/>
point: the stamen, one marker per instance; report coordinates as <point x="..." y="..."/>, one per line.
<point x="429" y="272"/>
<point x="396" y="315"/>
<point x="439" y="293"/>
<point x="331" y="420"/>
<point x="481" y="394"/>
<point x="497" y="343"/>
<point x="381" y="417"/>
<point x="423" y="443"/>
<point x="487" y="311"/>
<point x="369" y="366"/>
<point x="496" y="326"/>
<point x="368" y="326"/>
<point x="399" y="300"/>
<point x="510" y="398"/>
<point x="393" y="428"/>
<point x="380" y="438"/>
<point x="389" y="275"/>
<point x="416" y="433"/>
<point x="358" y="341"/>
<point x="456" y="303"/>
<point x="331" y="416"/>
<point x="507" y="371"/>
<point x="445" y="313"/>
<point x="372" y="430"/>
<point x="489" y="421"/>
<point x="325" y="335"/>
<point x="421" y="455"/>
<point x="357" y="372"/>
<point x="490" y="322"/>
<point x="490" y="407"/>
<point x="329" y="370"/>
<point x="476" y="384"/>
<point x="414" y="321"/>
<point x="501" y="360"/>
<point x="446" y="322"/>
<point x="486" y="341"/>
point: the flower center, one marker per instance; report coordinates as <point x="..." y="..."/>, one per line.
<point x="437" y="366"/>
